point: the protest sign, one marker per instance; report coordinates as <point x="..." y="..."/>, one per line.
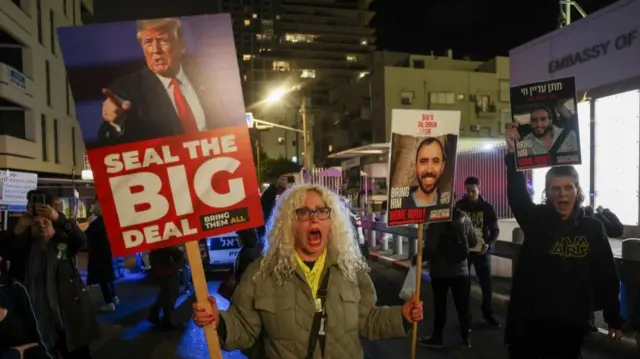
<point x="161" y="110"/>
<point x="547" y="117"/>
<point x="422" y="166"/>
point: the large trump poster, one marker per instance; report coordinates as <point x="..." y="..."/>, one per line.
<point x="161" y="110"/>
<point x="422" y="166"/>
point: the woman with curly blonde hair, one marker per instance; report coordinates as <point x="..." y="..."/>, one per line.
<point x="310" y="295"/>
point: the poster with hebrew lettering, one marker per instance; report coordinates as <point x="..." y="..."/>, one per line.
<point x="160" y="106"/>
<point x="547" y="117"/>
<point x="422" y="166"/>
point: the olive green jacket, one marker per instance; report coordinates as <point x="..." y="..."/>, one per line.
<point x="281" y="316"/>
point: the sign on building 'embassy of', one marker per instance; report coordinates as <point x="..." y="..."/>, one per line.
<point x="595" y="51"/>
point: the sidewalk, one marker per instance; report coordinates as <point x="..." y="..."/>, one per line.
<point x="501" y="289"/>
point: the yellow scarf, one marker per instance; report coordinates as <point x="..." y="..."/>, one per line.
<point x="313" y="275"/>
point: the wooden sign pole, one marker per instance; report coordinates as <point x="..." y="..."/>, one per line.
<point x="202" y="296"/>
<point x="414" y="329"/>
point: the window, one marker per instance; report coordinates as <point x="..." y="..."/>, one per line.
<point x="363" y="74"/>
<point x="299" y="38"/>
<point x="56" y="142"/>
<point x="505" y="91"/>
<point x="255" y="16"/>
<point x="47" y="70"/>
<point x="281" y="66"/>
<point x="484" y="104"/>
<point x="247" y="22"/>
<point x="39" y="10"/>
<point x="407" y="97"/>
<point x="246" y="57"/>
<point x="73" y="146"/>
<point x="308" y="74"/>
<point x="68" y="98"/>
<point x="52" y="32"/>
<point x="12" y="123"/>
<point x="418" y="64"/>
<point x="364" y="42"/>
<point x="352" y="58"/>
<point x="616" y="155"/>
<point x="43" y="131"/>
<point x="442" y="98"/>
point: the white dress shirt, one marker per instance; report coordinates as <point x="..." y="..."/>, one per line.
<point x="189" y="93"/>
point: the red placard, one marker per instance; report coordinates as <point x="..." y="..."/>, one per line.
<point x="172" y="190"/>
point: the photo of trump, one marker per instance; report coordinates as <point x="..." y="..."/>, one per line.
<point x="155" y="78"/>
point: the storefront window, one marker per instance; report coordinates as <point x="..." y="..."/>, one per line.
<point x="616" y="154"/>
<point x="584" y="170"/>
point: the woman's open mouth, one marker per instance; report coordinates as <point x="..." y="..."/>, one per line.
<point x="314" y="237"/>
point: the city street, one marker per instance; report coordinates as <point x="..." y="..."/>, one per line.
<point x="128" y="335"/>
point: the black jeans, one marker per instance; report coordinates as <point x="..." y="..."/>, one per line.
<point x="108" y="291"/>
<point x="546" y="340"/>
<point x="482" y="264"/>
<point x="460" y="291"/>
<point x="168" y="295"/>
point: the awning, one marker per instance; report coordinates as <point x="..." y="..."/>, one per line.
<point x="368" y="150"/>
<point x="331" y="172"/>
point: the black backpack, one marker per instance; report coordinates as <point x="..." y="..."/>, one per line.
<point x="453" y="244"/>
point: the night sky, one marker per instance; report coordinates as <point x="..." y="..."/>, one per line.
<point x="480" y="29"/>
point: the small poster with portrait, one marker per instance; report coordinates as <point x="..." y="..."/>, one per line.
<point x="547" y="117"/>
<point x="422" y="166"/>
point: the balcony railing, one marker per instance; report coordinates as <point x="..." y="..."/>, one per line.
<point x="15" y="79"/>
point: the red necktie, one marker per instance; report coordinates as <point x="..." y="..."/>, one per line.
<point x="184" y="110"/>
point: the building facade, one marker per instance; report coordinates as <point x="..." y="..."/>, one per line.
<point x="305" y="48"/>
<point x="601" y="52"/>
<point x="38" y="128"/>
<point x="479" y="90"/>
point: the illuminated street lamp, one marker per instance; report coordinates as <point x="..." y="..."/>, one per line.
<point x="276" y="96"/>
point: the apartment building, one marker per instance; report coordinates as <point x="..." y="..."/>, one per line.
<point x="308" y="45"/>
<point x="38" y="128"/>
<point x="479" y="90"/>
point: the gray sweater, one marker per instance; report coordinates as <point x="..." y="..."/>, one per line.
<point x="440" y="266"/>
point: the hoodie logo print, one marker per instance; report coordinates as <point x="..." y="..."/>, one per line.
<point x="570" y="247"/>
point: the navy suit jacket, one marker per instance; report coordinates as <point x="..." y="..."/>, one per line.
<point x="152" y="114"/>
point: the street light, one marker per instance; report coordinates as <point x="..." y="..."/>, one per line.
<point x="277" y="95"/>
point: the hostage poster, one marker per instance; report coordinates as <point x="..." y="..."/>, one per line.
<point x="161" y="110"/>
<point x="422" y="166"/>
<point x="547" y="118"/>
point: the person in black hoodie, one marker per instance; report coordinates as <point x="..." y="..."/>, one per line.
<point x="485" y="225"/>
<point x="565" y="258"/>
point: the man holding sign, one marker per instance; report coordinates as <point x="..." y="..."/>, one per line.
<point x="485" y="225"/>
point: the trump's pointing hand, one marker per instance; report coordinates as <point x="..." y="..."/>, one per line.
<point x="114" y="107"/>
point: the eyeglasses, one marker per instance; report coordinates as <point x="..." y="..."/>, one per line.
<point x="304" y="214"/>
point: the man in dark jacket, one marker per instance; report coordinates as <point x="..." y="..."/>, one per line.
<point x="446" y="249"/>
<point x="166" y="264"/>
<point x="42" y="248"/>
<point x="565" y="258"/>
<point x="19" y="332"/>
<point x="609" y="220"/>
<point x="485" y="225"/>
